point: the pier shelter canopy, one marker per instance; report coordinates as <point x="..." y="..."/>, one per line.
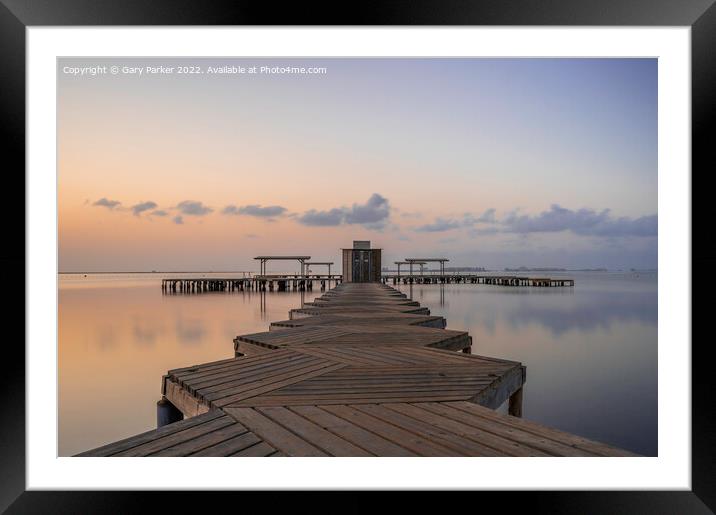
<point x="324" y="263"/>
<point x="415" y="261"/>
<point x="265" y="259"/>
<point x="421" y="263"/>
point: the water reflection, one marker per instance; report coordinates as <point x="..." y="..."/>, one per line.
<point x="190" y="331"/>
<point x="590" y="351"/>
<point x="106" y="337"/>
<point x="557" y="311"/>
<point x="600" y="311"/>
<point x="145" y="332"/>
<point x="263" y="304"/>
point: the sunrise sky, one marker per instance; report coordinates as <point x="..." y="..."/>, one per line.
<point x="489" y="162"/>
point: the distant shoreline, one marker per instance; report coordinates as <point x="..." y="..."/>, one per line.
<point x="390" y="271"/>
<point x="166" y="272"/>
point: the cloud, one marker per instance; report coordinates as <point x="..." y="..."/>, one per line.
<point x="178" y="220"/>
<point x="159" y="212"/>
<point x="585" y="222"/>
<point x="377" y="226"/>
<point x="440" y="225"/>
<point x="105" y="202"/>
<point x="468" y="220"/>
<point x="488" y="217"/>
<point x="322" y="218"/>
<point x="642" y="226"/>
<point x="255" y="210"/>
<point x="138" y="209"/>
<point x="193" y="208"/>
<point x="487" y="231"/>
<point x="375" y="210"/>
<point x="373" y="214"/>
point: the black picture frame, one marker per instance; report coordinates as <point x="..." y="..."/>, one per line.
<point x="17" y="15"/>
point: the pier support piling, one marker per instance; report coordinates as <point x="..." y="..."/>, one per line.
<point x="515" y="404"/>
<point x="167" y="413"/>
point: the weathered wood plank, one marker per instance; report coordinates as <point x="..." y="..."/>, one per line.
<point x="272" y="433"/>
<point x="425" y="427"/>
<point x="573" y="440"/>
<point x="357" y="435"/>
<point x="419" y="445"/>
<point x="500" y="389"/>
<point x="176" y="438"/>
<point x="505" y="446"/>
<point x="312" y="433"/>
<point x="244" y="365"/>
<point x="260" y="450"/>
<point x="134" y="441"/>
<point x="181" y="373"/>
<point x="304" y="374"/>
<point x="231" y="446"/>
<point x="204" y="441"/>
<point x="240" y="377"/>
<point x="184" y="401"/>
<point x="329" y="399"/>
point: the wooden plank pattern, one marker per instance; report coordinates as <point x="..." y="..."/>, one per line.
<point x="312" y="432"/>
<point x="134" y="441"/>
<point x="371" y="442"/>
<point x="274" y="434"/>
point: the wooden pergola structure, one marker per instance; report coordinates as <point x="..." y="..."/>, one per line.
<point x="413" y="261"/>
<point x="265" y="259"/>
<point x="421" y="263"/>
<point x="329" y="263"/>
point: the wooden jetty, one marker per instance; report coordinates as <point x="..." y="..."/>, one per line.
<point x="275" y="282"/>
<point x="497" y="280"/>
<point x="357" y="373"/>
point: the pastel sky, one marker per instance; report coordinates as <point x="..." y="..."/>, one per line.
<point x="489" y="162"/>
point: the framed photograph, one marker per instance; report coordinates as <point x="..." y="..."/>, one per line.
<point x="457" y="232"/>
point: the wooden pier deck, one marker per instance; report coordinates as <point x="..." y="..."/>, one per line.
<point x="357" y="376"/>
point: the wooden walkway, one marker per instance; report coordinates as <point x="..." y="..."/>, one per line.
<point x="357" y="376"/>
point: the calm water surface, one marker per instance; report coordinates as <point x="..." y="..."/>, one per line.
<point x="590" y="351"/>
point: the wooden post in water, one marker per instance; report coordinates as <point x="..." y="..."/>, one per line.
<point x="515" y="406"/>
<point x="167" y="413"/>
<point x="468" y="349"/>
